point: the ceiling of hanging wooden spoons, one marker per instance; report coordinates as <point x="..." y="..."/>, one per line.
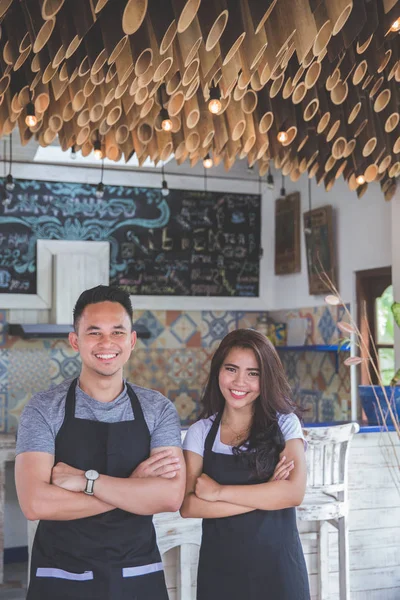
<point x="311" y="85"/>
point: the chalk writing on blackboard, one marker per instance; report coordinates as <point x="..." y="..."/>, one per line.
<point x="189" y="244"/>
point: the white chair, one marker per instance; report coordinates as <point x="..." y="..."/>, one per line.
<point x="173" y="531"/>
<point x="326" y="499"/>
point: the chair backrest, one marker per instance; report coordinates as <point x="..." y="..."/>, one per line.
<point x="327" y="456"/>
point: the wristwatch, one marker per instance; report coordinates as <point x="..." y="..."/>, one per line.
<point x="91" y="477"/>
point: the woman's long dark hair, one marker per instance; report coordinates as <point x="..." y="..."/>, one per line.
<point x="265" y="441"/>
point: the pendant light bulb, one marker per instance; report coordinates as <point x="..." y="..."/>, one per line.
<point x="360" y="179"/>
<point x="100" y="190"/>
<point x="395" y="25"/>
<point x="282" y="137"/>
<point x="270" y="180"/>
<point x="30" y="118"/>
<point x="166" y="123"/>
<point x="10" y="183"/>
<point x="164" y="188"/>
<point x="214" y="104"/>
<point x="97" y="150"/>
<point x="208" y="161"/>
<point x="73" y="152"/>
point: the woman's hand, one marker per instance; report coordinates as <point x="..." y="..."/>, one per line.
<point x="161" y="464"/>
<point x="282" y="469"/>
<point x="207" y="489"/>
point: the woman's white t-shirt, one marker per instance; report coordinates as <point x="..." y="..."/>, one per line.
<point x="196" y="435"/>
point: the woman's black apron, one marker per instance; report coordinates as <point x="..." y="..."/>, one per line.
<point x="113" y="556"/>
<point x="254" y="556"/>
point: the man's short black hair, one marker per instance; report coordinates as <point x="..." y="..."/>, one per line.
<point x="101" y="293"/>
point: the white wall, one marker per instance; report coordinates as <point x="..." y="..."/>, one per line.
<point x="362" y="240"/>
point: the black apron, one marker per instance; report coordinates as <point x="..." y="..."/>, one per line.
<point x="113" y="556"/>
<point x="253" y="556"/>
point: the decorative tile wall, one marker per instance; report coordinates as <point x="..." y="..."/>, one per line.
<point x="175" y="361"/>
<point x="320" y="380"/>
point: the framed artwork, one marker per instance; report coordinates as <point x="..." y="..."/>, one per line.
<point x="287" y="235"/>
<point x="318" y="229"/>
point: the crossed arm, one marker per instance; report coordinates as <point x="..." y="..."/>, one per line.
<point x="205" y="498"/>
<point x="53" y="492"/>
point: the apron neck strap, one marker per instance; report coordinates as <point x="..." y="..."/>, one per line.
<point x="212" y="433"/>
<point x="70" y="400"/>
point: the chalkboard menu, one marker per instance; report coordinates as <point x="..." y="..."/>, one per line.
<point x="189" y="243"/>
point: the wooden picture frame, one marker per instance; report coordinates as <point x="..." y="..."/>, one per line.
<point x="318" y="230"/>
<point x="287" y="235"/>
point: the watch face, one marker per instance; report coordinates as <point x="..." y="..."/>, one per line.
<point x="91" y="474"/>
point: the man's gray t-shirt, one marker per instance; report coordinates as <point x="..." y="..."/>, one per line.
<point x="43" y="416"/>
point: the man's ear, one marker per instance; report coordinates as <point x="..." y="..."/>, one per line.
<point x="73" y="340"/>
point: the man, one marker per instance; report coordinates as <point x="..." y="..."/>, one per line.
<point x="96" y="458"/>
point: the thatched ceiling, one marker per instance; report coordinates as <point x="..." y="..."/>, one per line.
<point x="322" y="73"/>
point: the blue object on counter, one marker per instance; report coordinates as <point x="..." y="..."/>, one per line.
<point x="369" y="403"/>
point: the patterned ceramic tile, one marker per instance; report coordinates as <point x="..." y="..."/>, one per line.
<point x="328" y="405"/>
<point x="248" y="320"/>
<point x="64" y="364"/>
<point x="328" y="368"/>
<point x="148" y="368"/>
<point x="327" y="326"/>
<point x="309" y="401"/>
<point x="149" y="319"/>
<point x="183" y="328"/>
<point x="182" y="366"/>
<point x="4" y="417"/>
<point x="28" y="370"/>
<point x="303" y="372"/>
<point x="3" y="327"/>
<point x="186" y="400"/>
<point x="215" y="326"/>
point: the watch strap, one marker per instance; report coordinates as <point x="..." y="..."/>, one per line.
<point x="89" y="487"/>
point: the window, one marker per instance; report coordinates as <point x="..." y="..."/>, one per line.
<point x="374" y="300"/>
<point x="385" y="334"/>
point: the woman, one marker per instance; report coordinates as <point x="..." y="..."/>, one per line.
<point x="250" y="546"/>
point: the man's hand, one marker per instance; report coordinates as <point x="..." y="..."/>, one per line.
<point x="68" y="478"/>
<point x="161" y="464"/>
<point x="207" y="488"/>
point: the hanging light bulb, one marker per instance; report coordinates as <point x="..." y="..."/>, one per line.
<point x="395" y="25"/>
<point x="283" y="191"/>
<point x="282" y="137"/>
<point x="270" y="179"/>
<point x="164" y="188"/>
<point x="308" y="226"/>
<point x="208" y="161"/>
<point x="214" y="103"/>
<point x="73" y="152"/>
<point x="360" y="179"/>
<point x="10" y="183"/>
<point x="100" y="186"/>
<point x="164" y="184"/>
<point x="30" y="118"/>
<point x="97" y="150"/>
<point x="166" y="122"/>
<point x="100" y="190"/>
